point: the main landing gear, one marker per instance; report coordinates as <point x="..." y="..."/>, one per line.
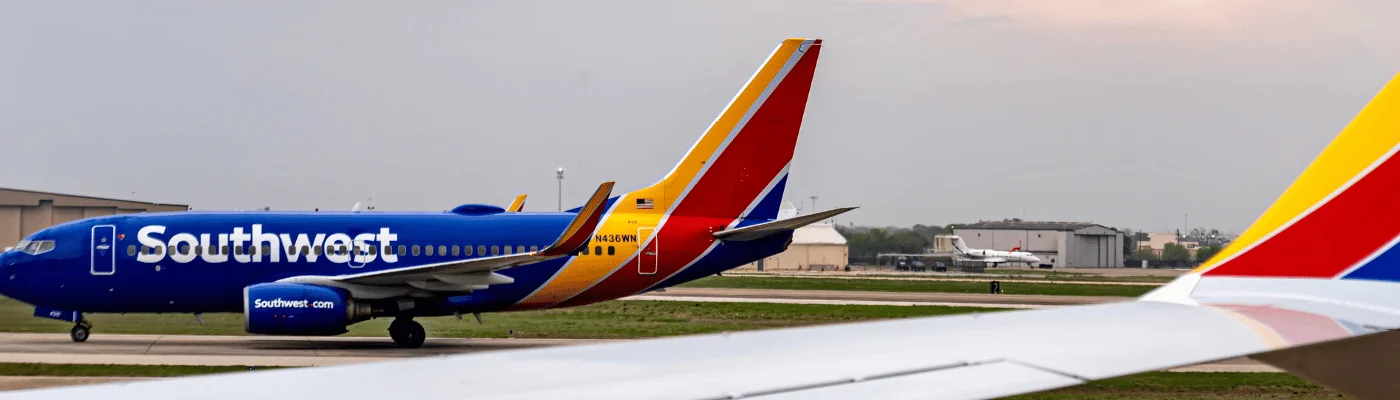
<point x="406" y="333"/>
<point x="81" y="331"/>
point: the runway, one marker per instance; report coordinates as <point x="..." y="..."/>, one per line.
<point x="846" y="297"/>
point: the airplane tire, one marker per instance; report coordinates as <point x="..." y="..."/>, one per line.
<point x="407" y="333"/>
<point x="79" y="334"/>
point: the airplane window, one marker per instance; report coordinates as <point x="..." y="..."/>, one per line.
<point x="495" y="250"/>
<point x="143" y="250"/>
<point x="456" y="250"/>
<point x="610" y="250"/>
<point x="598" y="250"/>
<point x="467" y="250"/>
<point x="41" y="247"/>
<point x="374" y="250"/>
<point x="343" y="250"/>
<point x="171" y="251"/>
<point x="442" y="250"/>
<point x="237" y="250"/>
<point x="584" y="251"/>
<point x="266" y="249"/>
<point x="519" y="249"/>
<point x="197" y="249"/>
<point x="534" y="248"/>
<point x="223" y="249"/>
<point x="184" y="249"/>
<point x="506" y="250"/>
<point x="416" y="249"/>
<point x="481" y="250"/>
<point x="20" y="246"/>
<point x="317" y="250"/>
<point x="131" y="250"/>
<point x="428" y="250"/>
<point x="403" y="250"/>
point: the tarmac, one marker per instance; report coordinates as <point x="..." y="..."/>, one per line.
<point x="841" y="297"/>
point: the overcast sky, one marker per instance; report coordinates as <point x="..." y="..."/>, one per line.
<point x="1127" y="113"/>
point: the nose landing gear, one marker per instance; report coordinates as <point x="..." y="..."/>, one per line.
<point x="407" y="333"/>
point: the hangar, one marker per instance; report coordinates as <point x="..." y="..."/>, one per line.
<point x="23" y="212"/>
<point x="1061" y="244"/>
<point x="816" y="247"/>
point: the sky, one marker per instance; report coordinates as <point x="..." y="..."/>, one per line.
<point x="1133" y="114"/>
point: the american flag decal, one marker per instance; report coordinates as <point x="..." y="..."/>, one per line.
<point x="645" y="203"/>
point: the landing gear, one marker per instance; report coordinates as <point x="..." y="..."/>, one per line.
<point x="81" y="331"/>
<point x="407" y="333"/>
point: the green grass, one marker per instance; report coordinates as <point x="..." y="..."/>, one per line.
<point x="1192" y="385"/>
<point x="883" y="285"/>
<point x="28" y="369"/>
<point x="607" y="320"/>
<point x="1074" y="276"/>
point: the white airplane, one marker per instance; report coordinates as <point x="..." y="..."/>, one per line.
<point x="992" y="257"/>
<point x="1328" y="313"/>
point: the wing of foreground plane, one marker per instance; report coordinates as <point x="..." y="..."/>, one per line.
<point x="1291" y="291"/>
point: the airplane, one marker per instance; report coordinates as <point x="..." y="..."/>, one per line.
<point x="1289" y="292"/>
<point x="992" y="257"/>
<point x="316" y="273"/>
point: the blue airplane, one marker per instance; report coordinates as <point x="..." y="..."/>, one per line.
<point x="315" y="273"/>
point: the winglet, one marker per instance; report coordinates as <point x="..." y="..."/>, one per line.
<point x="1349" y="187"/>
<point x="518" y="205"/>
<point x="581" y="229"/>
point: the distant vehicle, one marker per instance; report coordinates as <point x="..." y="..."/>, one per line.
<point x="991" y="257"/>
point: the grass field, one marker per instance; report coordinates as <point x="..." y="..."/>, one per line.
<point x="880" y="285"/>
<point x="607" y="320"/>
<point x="30" y="369"/>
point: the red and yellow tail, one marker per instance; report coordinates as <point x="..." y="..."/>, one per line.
<point x="743" y="156"/>
<point x="1339" y="219"/>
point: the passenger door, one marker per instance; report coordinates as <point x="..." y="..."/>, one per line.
<point x="647" y="257"/>
<point x="103" y="250"/>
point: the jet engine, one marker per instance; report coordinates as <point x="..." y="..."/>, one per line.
<point x="299" y="309"/>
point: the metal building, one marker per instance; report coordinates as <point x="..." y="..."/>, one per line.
<point x="1061" y="244"/>
<point x="816" y="247"/>
<point x="23" y="212"/>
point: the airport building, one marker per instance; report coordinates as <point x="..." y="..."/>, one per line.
<point x="23" y="212"/>
<point x="1061" y="244"/>
<point x="816" y="247"/>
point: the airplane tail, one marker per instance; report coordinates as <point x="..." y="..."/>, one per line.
<point x="959" y="246"/>
<point x="1338" y="220"/>
<point x="739" y="167"/>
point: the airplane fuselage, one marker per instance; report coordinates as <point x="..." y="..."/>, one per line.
<point x="197" y="262"/>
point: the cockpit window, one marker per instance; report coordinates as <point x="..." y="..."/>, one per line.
<point x="35" y="247"/>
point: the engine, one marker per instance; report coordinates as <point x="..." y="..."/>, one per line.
<point x="299" y="309"/>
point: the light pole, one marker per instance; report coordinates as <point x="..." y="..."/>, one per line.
<point x="560" y="173"/>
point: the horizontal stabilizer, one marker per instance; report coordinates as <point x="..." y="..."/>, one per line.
<point x="755" y="232"/>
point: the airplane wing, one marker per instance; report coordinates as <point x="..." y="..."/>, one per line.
<point x="759" y="231"/>
<point x="1312" y="287"/>
<point x="574" y="237"/>
<point x="517" y="205"/>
